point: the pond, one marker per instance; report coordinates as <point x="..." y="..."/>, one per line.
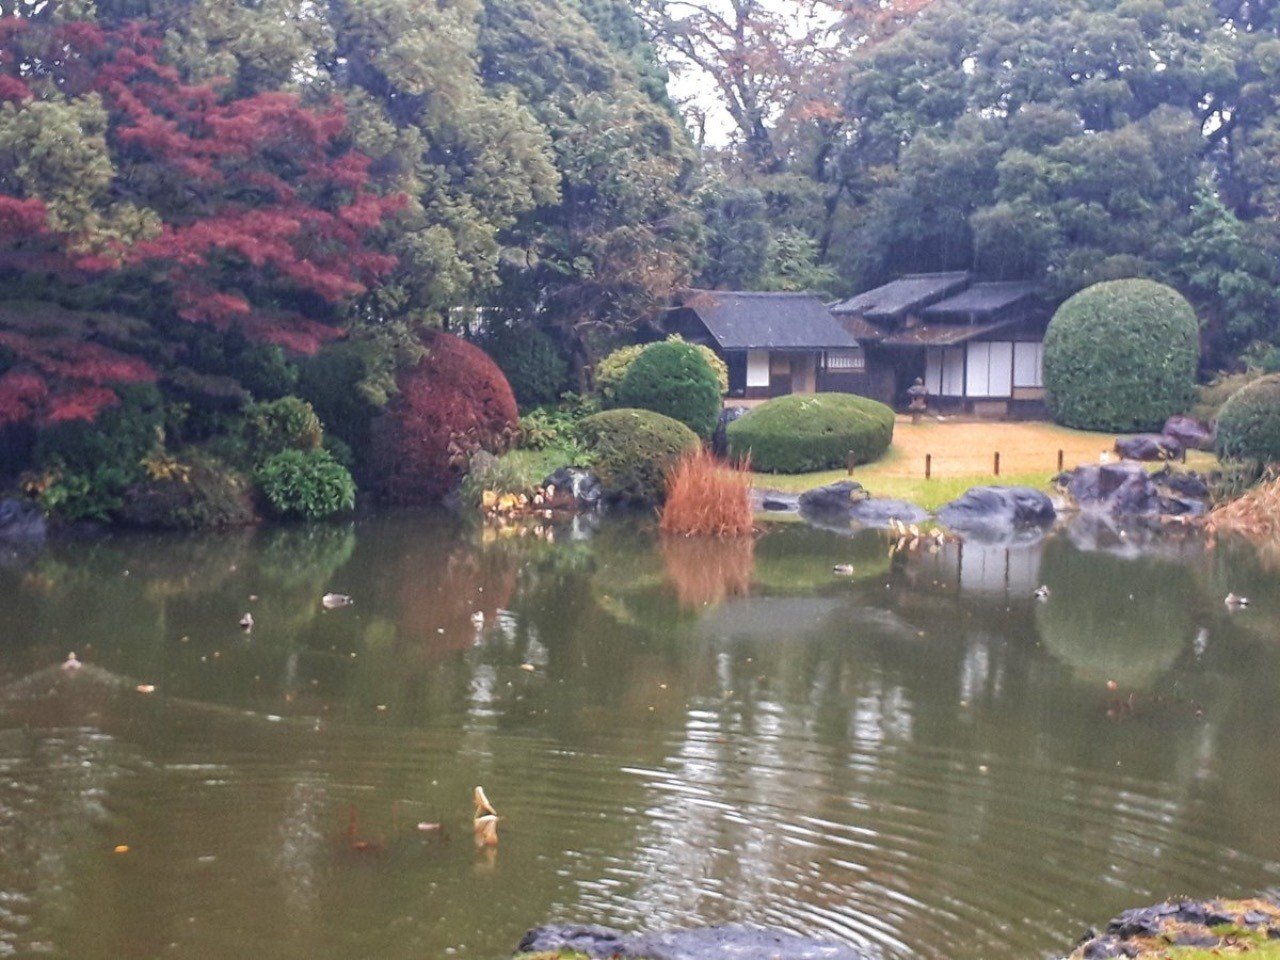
<point x="920" y="759"/>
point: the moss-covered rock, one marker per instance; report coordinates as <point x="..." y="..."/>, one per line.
<point x="1121" y="356"/>
<point x="802" y="433"/>
<point x="633" y="450"/>
<point x="1249" y="423"/>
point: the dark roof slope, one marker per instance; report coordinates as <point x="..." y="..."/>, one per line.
<point x="740" y="320"/>
<point x="913" y="291"/>
<point x="943" y="334"/>
<point x="984" y="299"/>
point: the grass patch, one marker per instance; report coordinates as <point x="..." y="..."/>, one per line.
<point x="964" y="456"/>
<point x="534" y="466"/>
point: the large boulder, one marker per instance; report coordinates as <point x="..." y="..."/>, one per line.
<point x="574" y="489"/>
<point x="1128" y="490"/>
<point x="999" y="513"/>
<point x="1149" y="446"/>
<point x="1190" y="432"/>
<point x="22" y="524"/>
<point x="709" y="943"/>
<point x="833" y="499"/>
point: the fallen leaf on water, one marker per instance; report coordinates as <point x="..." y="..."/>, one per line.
<point x="485" y="822"/>
<point x="425" y="827"/>
<point x="121" y="848"/>
<point x="146" y="688"/>
<point x="528" y="667"/>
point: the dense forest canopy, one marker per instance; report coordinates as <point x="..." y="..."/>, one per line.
<point x="202" y="192"/>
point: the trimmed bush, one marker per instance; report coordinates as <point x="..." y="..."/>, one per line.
<point x="532" y="362"/>
<point x="278" y="425"/>
<point x="1249" y="423"/>
<point x="634" y="450"/>
<point x="673" y="379"/>
<point x="610" y="371"/>
<point x="306" y="483"/>
<point x="802" y="433"/>
<point x="452" y="403"/>
<point x="1121" y="356"/>
<point x="197" y="492"/>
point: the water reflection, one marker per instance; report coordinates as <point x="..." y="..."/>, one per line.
<point x="920" y="758"/>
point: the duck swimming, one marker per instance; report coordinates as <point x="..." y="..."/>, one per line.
<point x="246" y="622"/>
<point x="335" y="601"/>
<point x="1234" y="602"/>
<point x="843" y="569"/>
<point x="1042" y="592"/>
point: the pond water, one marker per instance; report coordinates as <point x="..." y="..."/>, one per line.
<point x="921" y="759"/>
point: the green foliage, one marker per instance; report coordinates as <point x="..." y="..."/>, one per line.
<point x="500" y="475"/>
<point x="278" y="425"/>
<point x="1249" y="423"/>
<point x="117" y="439"/>
<point x="800" y="434"/>
<point x="610" y="370"/>
<point x="95" y="494"/>
<point x="309" y="484"/>
<point x="197" y="492"/>
<point x="1121" y="356"/>
<point x="633" y="450"/>
<point x="673" y="379"/>
<point x="1211" y="396"/>
<point x="533" y="362"/>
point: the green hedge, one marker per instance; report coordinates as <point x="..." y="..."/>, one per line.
<point x="1249" y="423"/>
<point x="673" y="379"/>
<point x="1121" y="356"/>
<point x="805" y="432"/>
<point x="633" y="450"/>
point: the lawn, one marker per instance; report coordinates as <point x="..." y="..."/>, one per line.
<point x="963" y="456"/>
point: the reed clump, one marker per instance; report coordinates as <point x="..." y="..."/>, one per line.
<point x="1254" y="514"/>
<point x="707" y="498"/>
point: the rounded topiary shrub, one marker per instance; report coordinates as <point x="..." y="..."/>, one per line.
<point x="673" y="378"/>
<point x="532" y="362"/>
<point x="805" y="432"/>
<point x="633" y="451"/>
<point x="452" y="403"/>
<point x="306" y="483"/>
<point x="1121" y="356"/>
<point x="1249" y="423"/>
<point x="611" y="370"/>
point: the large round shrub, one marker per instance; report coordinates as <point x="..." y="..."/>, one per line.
<point x="450" y="404"/>
<point x="1249" y="423"/>
<point x="611" y="370"/>
<point x="804" y="432"/>
<point x="633" y="450"/>
<point x="1121" y="356"/>
<point x="673" y="379"/>
<point x="532" y="362"/>
<point x="306" y="483"/>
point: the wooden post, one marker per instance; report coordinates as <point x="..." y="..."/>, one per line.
<point x="928" y="466"/>
<point x="1061" y="461"/>
<point x="997" y="464"/>
<point x="850" y="462"/>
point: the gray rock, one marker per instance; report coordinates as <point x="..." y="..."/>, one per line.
<point x="1190" y="432"/>
<point x="22" y="524"/>
<point x="576" y="488"/>
<point x="999" y="513"/>
<point x="1149" y="446"/>
<point x="709" y="943"/>
<point x="1128" y="490"/>
<point x="878" y="511"/>
<point x="833" y="499"/>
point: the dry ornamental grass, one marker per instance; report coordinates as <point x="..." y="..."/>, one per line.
<point x="707" y="498"/>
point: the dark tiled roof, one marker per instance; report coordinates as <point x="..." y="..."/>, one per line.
<point x="858" y="328"/>
<point x="943" y="334"/>
<point x="740" y="320"/>
<point x="984" y="299"/>
<point x="907" y="293"/>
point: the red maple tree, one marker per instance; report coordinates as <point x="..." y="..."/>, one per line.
<point x="265" y="217"/>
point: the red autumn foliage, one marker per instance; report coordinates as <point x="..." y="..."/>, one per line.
<point x="455" y="402"/>
<point x="259" y="200"/>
